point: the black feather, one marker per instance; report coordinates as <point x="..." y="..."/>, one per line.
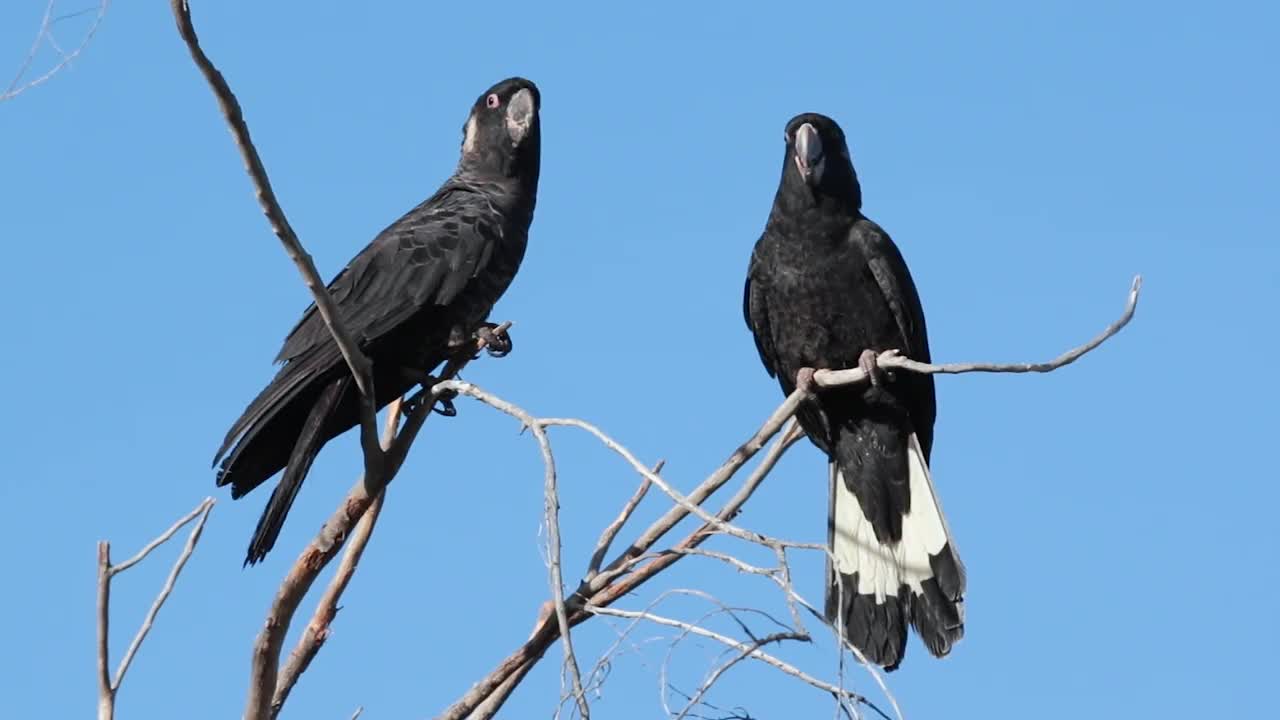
<point x="305" y="449"/>
<point x="428" y="277"/>
<point x="824" y="284"/>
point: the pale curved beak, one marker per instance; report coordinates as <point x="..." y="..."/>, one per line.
<point x="520" y="112"/>
<point x="808" y="154"/>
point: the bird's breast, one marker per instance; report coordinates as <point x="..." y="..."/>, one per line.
<point x="833" y="309"/>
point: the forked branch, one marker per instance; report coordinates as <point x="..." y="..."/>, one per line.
<point x="107" y="686"/>
<point x="602" y="584"/>
<point x="45" y="36"/>
<point x="637" y="564"/>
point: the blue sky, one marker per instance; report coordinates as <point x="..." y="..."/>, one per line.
<point x="1117" y="517"/>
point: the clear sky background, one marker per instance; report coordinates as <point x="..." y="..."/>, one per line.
<point x="1117" y="517"/>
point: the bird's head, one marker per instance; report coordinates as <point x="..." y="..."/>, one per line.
<point x="502" y="136"/>
<point x="817" y="161"/>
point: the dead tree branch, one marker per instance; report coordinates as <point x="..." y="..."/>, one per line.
<point x="45" y="36"/>
<point x="892" y="360"/>
<point x="108" y="688"/>
<point x="612" y="529"/>
<point x="361" y="368"/>
<point x="264" y="671"/>
<point x="633" y="566"/>
<point x="317" y="631"/>
<point x="270" y="684"/>
<point x="380" y="465"/>
<point x="747" y="650"/>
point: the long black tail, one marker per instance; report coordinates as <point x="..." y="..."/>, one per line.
<point x="311" y="438"/>
<point x="882" y="583"/>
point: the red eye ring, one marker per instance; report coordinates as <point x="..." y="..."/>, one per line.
<point x="492" y="101"/>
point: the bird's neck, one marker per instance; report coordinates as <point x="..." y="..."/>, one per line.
<point x="813" y="222"/>
<point x="798" y="200"/>
<point x="513" y="197"/>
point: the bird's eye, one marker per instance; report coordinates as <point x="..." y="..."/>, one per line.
<point x="493" y="101"/>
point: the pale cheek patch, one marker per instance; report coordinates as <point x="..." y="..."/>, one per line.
<point x="469" y="139"/>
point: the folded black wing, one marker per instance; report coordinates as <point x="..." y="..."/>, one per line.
<point x="425" y="258"/>
<point x="755" y="310"/>
<point x="894" y="279"/>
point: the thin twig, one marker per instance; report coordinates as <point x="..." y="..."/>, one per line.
<point x="781" y="576"/>
<point x="891" y="361"/>
<point x="194" y="537"/>
<point x="741" y="655"/>
<point x="41" y="34"/>
<point x="695" y="538"/>
<point x="682" y="501"/>
<point x="379" y="467"/>
<point x="264" y="671"/>
<point x="361" y="368"/>
<point x="552" y="509"/>
<point x="108" y="688"/>
<point x="203" y="507"/>
<point x="612" y="529"/>
<point x="754" y="653"/>
<point x="606" y="587"/>
<point x="317" y="631"/>
<point x="46" y="33"/>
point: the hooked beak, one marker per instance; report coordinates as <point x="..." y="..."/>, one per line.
<point x="808" y="154"/>
<point x="520" y="113"/>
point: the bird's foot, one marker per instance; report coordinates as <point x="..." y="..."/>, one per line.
<point x="805" y="382"/>
<point x="495" y="339"/>
<point x="869" y="361"/>
<point x="442" y="404"/>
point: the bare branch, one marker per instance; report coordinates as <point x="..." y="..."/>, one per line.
<point x="107" y="689"/>
<point x="617" y="579"/>
<point x="781" y="576"/>
<point x="741" y="655"/>
<point x="612" y="529"/>
<point x="45" y="34"/>
<point x="380" y="466"/>
<point x="552" y="509"/>
<point x="317" y="631"/>
<point x="331" y="538"/>
<point x="495" y="699"/>
<point x="603" y="591"/>
<point x="683" y="502"/>
<point x="106" y="696"/>
<point x="163" y="537"/>
<point x="891" y="360"/>
<point x="361" y="368"/>
<point x="695" y="538"/>
<point x="203" y="511"/>
<point x="745" y="648"/>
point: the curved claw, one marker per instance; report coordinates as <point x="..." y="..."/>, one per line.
<point x="497" y="342"/>
<point x="445" y="407"/>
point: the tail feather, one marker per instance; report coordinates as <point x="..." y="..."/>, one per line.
<point x="281" y="403"/>
<point x="877" y="587"/>
<point x="310" y="440"/>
